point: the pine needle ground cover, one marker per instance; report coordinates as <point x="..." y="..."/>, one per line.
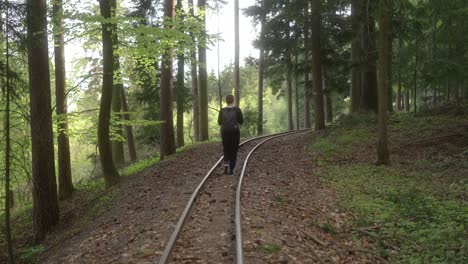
<point x="414" y="210"/>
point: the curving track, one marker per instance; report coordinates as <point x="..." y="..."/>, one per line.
<point x="186" y="214"/>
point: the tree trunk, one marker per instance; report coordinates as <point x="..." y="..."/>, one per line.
<point x="111" y="176"/>
<point x="236" y="55"/>
<point x="355" y="94"/>
<point x="180" y="91"/>
<point x="296" y="92"/>
<point x="399" y="91"/>
<point x="369" y="98"/>
<point x="180" y="101"/>
<point x="415" y="88"/>
<point x="194" y="75"/>
<point x="203" y="76"/>
<point x="167" y="87"/>
<point x="8" y="193"/>
<point x="407" y="97"/>
<point x="45" y="200"/>
<point x="448" y="89"/>
<point x="63" y="145"/>
<point x="307" y="88"/>
<point x="390" y="79"/>
<point x="434" y="49"/>
<point x="289" y="90"/>
<point x="317" y="64"/>
<point x="385" y="48"/>
<point x="328" y="107"/>
<point x="261" y="65"/>
<point x="117" y="144"/>
<point x="128" y="127"/>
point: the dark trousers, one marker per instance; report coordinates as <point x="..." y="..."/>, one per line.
<point x="231" y="139"/>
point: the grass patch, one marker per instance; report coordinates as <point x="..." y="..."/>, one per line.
<point x="415" y="211"/>
<point x="280" y="200"/>
<point x="30" y="253"/>
<point x="329" y="228"/>
<point x="342" y="142"/>
<point x="425" y="227"/>
<point x="139" y="166"/>
<point x="269" y="248"/>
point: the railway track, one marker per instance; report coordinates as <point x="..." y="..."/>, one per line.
<point x="210" y="179"/>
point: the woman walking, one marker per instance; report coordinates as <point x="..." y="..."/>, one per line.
<point x="230" y="118"/>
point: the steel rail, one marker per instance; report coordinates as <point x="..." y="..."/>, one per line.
<point x="175" y="234"/>
<point x="239" y="250"/>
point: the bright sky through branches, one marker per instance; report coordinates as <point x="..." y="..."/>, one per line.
<point x="226" y="27"/>
<point x="225" y="20"/>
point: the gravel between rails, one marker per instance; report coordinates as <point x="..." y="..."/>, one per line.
<point x="208" y="236"/>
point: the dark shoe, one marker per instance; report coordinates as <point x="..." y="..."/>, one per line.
<point x="226" y="169"/>
<point x="231" y="172"/>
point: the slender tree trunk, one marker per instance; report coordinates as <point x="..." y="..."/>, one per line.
<point x="328" y="107"/>
<point x="434" y="50"/>
<point x="390" y="77"/>
<point x="236" y="57"/>
<point x="45" y="200"/>
<point x="307" y="88"/>
<point x="63" y="144"/>
<point x="407" y="97"/>
<point x="369" y="98"/>
<point x="261" y="70"/>
<point x="385" y="20"/>
<point x="289" y="90"/>
<point x="128" y="128"/>
<point x="415" y="88"/>
<point x="219" y="70"/>
<point x="180" y="90"/>
<point x="8" y="192"/>
<point x="296" y="91"/>
<point x="317" y="64"/>
<point x="457" y="89"/>
<point x="448" y="89"/>
<point x="203" y="77"/>
<point x="117" y="144"/>
<point x="180" y="101"/>
<point x="399" y="91"/>
<point x="111" y="176"/>
<point x="167" y="87"/>
<point x="355" y="94"/>
<point x="194" y="75"/>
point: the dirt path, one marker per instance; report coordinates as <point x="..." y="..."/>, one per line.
<point x="288" y="215"/>
<point x="142" y="217"/>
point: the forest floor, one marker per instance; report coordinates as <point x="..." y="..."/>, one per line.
<point x="308" y="198"/>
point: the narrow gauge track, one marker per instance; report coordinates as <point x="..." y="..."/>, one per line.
<point x="165" y="257"/>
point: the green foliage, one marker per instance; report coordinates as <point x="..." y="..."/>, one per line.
<point x="329" y="228"/>
<point x="280" y="200"/>
<point x="415" y="212"/>
<point x="139" y="166"/>
<point x="424" y="226"/>
<point x="342" y="142"/>
<point x="30" y="253"/>
<point x="269" y="248"/>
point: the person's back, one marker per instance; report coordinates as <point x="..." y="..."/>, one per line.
<point x="230" y="118"/>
